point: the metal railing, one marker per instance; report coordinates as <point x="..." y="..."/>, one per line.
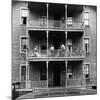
<point x="57" y="53"/>
<point x="75" y="25"/>
<point x="55" y="24"/>
<point x="37" y="24"/>
<point x="40" y="53"/>
<point x="58" y="24"/>
<point x="74" y="82"/>
<point x="38" y="84"/>
<point x="78" y="53"/>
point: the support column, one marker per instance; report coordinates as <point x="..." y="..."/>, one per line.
<point x="66" y="16"/>
<point x="66" y="43"/>
<point x="47" y="73"/>
<point x="27" y="75"/>
<point x="47" y="33"/>
<point x="66" y="74"/>
<point x="83" y="77"/>
<point x="47" y="13"/>
<point x="27" y="43"/>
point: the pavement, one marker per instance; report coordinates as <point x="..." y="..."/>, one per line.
<point x="57" y="93"/>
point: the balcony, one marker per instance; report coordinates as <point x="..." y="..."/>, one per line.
<point x="54" y="54"/>
<point x="57" y="53"/>
<point x="75" y="25"/>
<point x="39" y="54"/>
<point x="37" y="24"/>
<point x="79" y="53"/>
<point x="74" y="82"/>
<point x="55" y="24"/>
<point x="37" y="84"/>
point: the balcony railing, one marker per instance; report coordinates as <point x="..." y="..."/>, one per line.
<point x="37" y="24"/>
<point x="55" y="24"/>
<point x="75" y="25"/>
<point x="57" y="53"/>
<point x="33" y="84"/>
<point x="37" y="84"/>
<point x="79" y="53"/>
<point x="74" y="82"/>
<point x="40" y="53"/>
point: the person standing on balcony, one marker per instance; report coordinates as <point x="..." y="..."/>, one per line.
<point x="52" y="50"/>
<point x="62" y="50"/>
<point x="63" y="47"/>
<point x="36" y="51"/>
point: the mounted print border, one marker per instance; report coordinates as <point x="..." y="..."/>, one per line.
<point x="54" y="49"/>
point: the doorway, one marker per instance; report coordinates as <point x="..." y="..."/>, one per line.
<point x="56" y="74"/>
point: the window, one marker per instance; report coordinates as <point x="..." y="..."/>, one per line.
<point x="69" y="45"/>
<point x="23" y="44"/>
<point x="23" y="72"/>
<point x="86" y="70"/>
<point x="43" y="75"/>
<point x="69" y="21"/>
<point x="69" y="72"/>
<point x="24" y="14"/>
<point x="43" y="21"/>
<point x="86" y="45"/>
<point x="86" y="18"/>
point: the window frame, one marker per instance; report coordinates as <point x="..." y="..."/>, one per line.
<point x="88" y="45"/>
<point x="21" y="17"/>
<point x="21" y="72"/>
<point x="87" y="71"/>
<point x="21" y="43"/>
<point x="43" y="20"/>
<point x="86" y="19"/>
<point x="69" y="21"/>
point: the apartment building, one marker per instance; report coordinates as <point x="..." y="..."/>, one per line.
<point x="53" y="45"/>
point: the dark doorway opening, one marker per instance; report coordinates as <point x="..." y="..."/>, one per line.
<point x="56" y="76"/>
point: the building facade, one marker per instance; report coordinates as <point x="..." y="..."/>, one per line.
<point x="53" y="45"/>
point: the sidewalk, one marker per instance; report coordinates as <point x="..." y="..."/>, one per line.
<point x="56" y="93"/>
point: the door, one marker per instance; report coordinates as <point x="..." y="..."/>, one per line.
<point x="56" y="77"/>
